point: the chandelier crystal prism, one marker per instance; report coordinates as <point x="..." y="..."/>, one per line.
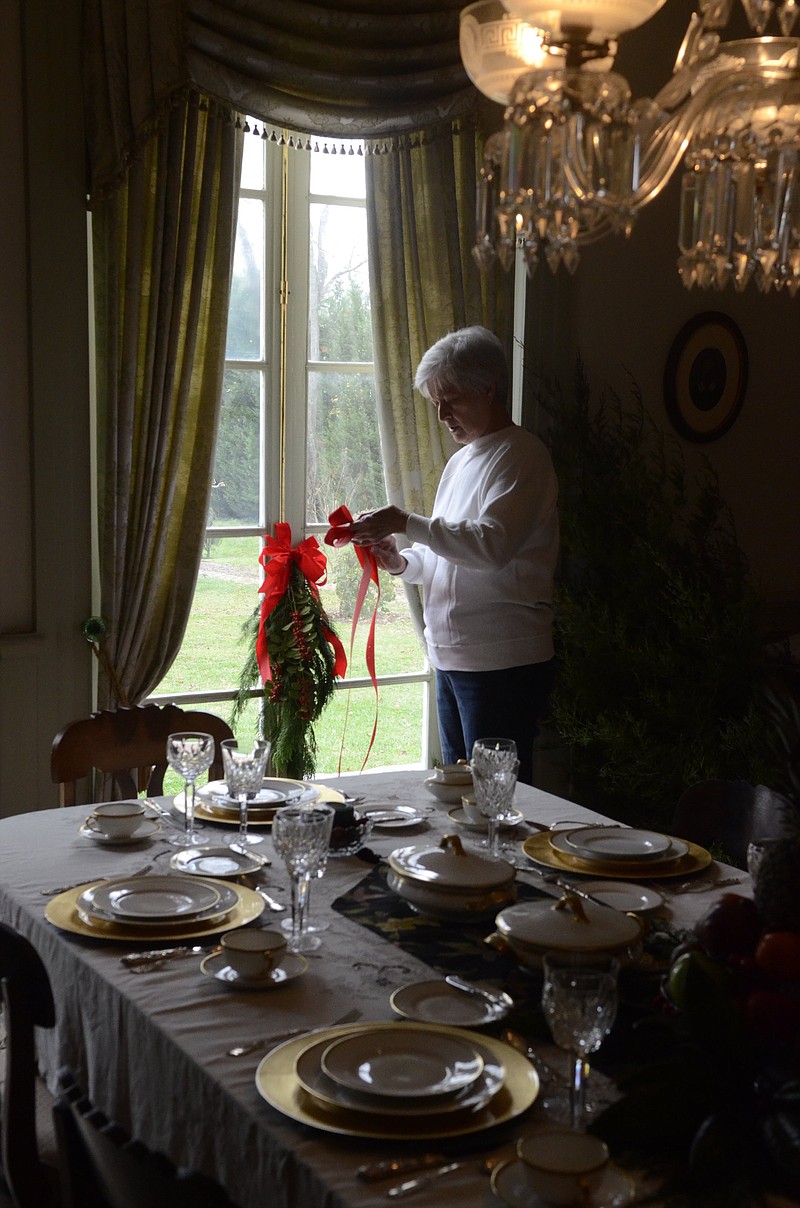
<point x="577" y="157"/>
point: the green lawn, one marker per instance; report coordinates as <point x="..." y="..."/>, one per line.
<point x="212" y="656"/>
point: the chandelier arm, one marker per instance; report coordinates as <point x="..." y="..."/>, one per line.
<point x="670" y="140"/>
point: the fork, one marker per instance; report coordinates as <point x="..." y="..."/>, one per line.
<point x="266" y="1042"/>
<point x="137" y="872"/>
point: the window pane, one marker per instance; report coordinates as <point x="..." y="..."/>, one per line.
<point x="398" y="739"/>
<point x="344" y="455"/>
<point x="245" y="318"/>
<point x="235" y="492"/>
<point x="212" y="655"/>
<point x="253" y="162"/>
<point x="339" y="175"/>
<point x="339" y="326"/>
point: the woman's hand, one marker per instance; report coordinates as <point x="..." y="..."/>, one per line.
<point x="388" y="556"/>
<point x="370" y="528"/>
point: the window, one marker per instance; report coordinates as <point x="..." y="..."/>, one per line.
<point x="298" y="436"/>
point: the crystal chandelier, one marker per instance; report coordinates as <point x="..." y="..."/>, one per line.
<point x="577" y="157"/>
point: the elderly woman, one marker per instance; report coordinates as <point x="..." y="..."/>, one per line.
<point x="485" y="557"/>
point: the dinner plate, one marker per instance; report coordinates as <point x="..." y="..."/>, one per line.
<point x="510" y="1184"/>
<point x="89" y="909"/>
<point x="460" y="818"/>
<point x="206" y="810"/>
<point x="472" y="1098"/>
<point x="400" y="1064"/>
<point x="217" y="862"/>
<point x="677" y="848"/>
<point x="617" y="843"/>
<point x="277" y="1083"/>
<point x="436" y="1002"/>
<point x="145" y="830"/>
<point x="62" y="912"/>
<point x="274" y="791"/>
<point x="540" y="849"/>
<point x="624" y="895"/>
<point x="143" y="899"/>
<point x="392" y="817"/>
<point x="290" y="966"/>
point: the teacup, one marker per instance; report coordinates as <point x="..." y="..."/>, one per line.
<point x="471" y="811"/>
<point x="118" y="819"/>
<point x="563" y="1167"/>
<point x="253" y="954"/>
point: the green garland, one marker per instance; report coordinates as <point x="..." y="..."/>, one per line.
<point x="303" y="677"/>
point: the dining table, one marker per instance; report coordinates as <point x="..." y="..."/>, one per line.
<point x="152" y="1043"/>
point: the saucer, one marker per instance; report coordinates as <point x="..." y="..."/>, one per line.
<point x="460" y="818"/>
<point x="437" y="1002"/>
<point x="290" y="966"/>
<point x="145" y="830"/>
<point x="624" y="895"/>
<point x="510" y="1184"/>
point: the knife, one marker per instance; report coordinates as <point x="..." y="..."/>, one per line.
<point x="373" y="1172"/>
<point x="412" y="1185"/>
<point x="500" y="1000"/>
<point x="131" y="959"/>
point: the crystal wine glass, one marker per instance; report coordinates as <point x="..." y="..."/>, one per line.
<point x="189" y="754"/>
<point x="302" y="835"/>
<point x="495" y="768"/>
<point x="580" y="1005"/>
<point x="244" y="771"/>
<point x="310" y="927"/>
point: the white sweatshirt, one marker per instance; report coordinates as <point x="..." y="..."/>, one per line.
<point x="487" y="555"/>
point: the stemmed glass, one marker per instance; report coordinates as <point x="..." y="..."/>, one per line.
<point x="302" y="835"/>
<point x="189" y="754"/>
<point x="244" y="771"/>
<point x="495" y="768"/>
<point x="580" y="1005"/>
<point x="309" y="927"/>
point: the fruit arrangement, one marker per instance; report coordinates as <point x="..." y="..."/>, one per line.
<point x="717" y="1080"/>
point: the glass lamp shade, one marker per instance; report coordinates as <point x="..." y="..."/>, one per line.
<point x="594" y="21"/>
<point x="497" y="48"/>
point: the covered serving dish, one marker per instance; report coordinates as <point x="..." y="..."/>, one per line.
<point x="447" y="882"/>
<point x="569" y="926"/>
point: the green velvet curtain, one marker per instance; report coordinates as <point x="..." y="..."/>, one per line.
<point x="163" y="249"/>
<point x="423" y="284"/>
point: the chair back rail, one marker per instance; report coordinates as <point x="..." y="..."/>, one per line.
<point x="129" y="745"/>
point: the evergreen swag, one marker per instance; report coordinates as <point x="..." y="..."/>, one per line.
<point x="657" y="623"/>
<point x="303" y="667"/>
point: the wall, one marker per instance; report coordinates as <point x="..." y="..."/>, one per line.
<point x="45" y="665"/>
<point x="622" y="311"/>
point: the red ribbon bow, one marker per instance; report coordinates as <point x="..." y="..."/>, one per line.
<point x="277" y="558"/>
<point x="338" y="535"/>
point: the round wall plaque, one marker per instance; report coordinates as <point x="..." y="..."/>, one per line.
<point x="705" y="376"/>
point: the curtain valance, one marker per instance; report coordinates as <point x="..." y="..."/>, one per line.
<point x="341" y="68"/>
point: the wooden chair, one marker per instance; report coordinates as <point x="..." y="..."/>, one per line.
<point x="732" y="814"/>
<point x="103" y="1168"/>
<point x="27" y="1003"/>
<point x="129" y="744"/>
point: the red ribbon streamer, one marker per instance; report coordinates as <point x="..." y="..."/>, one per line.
<point x="277" y="558"/>
<point x="338" y="535"/>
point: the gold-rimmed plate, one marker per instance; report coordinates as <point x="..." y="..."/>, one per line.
<point x="540" y="849"/>
<point x="313" y="1078"/>
<point x="277" y="1082"/>
<point x="62" y="911"/>
<point x="207" y="809"/>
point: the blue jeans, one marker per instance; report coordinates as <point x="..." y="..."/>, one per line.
<point x="493" y="704"/>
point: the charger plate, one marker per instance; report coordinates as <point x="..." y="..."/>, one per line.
<point x="205" y="809"/>
<point x="277" y="1082"/>
<point x="540" y="849"/>
<point x="62" y="911"/>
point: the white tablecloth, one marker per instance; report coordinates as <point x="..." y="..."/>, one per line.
<point x="152" y="1048"/>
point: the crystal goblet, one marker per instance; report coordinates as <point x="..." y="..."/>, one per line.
<point x="189" y="754"/>
<point x="244" y="771"/>
<point x="580" y="1005"/>
<point x="301" y="834"/>
<point x="495" y="768"/>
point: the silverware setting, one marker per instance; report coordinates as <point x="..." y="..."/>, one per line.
<point x="695" y="886"/>
<point x="271" y="902"/>
<point x="147" y="962"/>
<point x="166" y="815"/>
<point x="373" y="1172"/>
<point x="268" y="1042"/>
<point x="518" y="1042"/>
<point x="411" y="1186"/>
